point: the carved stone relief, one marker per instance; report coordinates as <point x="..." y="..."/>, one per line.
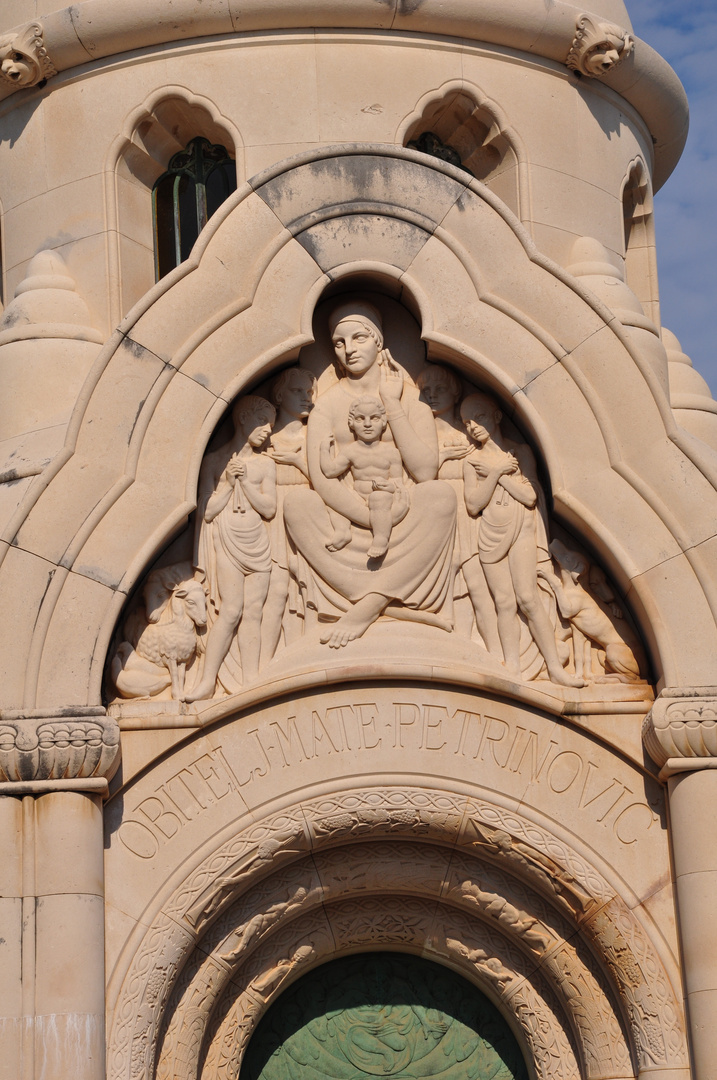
<point x="23" y="57"/>
<point x="598" y="47"/>
<point x="258" y="913"/>
<point x="390" y="491"/>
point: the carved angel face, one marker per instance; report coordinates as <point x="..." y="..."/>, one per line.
<point x="16" y="68"/>
<point x="604" y="54"/>
<point x="355" y="347"/>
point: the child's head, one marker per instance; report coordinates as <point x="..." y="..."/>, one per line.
<point x="367" y="418"/>
<point x="481" y="415"/>
<point x="439" y="387"/>
<point x="254" y="417"/>
<point x="295" y="390"/>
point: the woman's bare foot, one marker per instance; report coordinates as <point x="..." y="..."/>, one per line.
<point x="355" y="622"/>
<point x="339" y="540"/>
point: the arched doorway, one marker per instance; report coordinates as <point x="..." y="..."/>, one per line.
<point x="383" y="1014"/>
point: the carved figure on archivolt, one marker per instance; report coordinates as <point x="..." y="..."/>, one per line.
<point x="287" y="842"/>
<point x="536" y="853"/>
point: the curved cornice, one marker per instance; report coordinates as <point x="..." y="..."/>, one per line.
<point x="95" y="29"/>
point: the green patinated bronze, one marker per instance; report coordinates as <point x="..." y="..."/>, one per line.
<point x="383" y="1014"/>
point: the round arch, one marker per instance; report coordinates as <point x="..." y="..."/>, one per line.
<point x="483" y="890"/>
<point x="242" y="304"/>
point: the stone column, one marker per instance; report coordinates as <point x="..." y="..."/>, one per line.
<point x="680" y="734"/>
<point x="53" y="775"/>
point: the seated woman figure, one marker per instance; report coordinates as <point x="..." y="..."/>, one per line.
<point x="414" y="579"/>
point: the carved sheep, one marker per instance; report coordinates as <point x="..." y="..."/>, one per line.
<point x="167" y="642"/>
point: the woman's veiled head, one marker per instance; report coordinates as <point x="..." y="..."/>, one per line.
<point x="357" y="334"/>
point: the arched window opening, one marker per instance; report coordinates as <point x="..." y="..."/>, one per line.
<point x="455" y="128"/>
<point x="196" y="183"/>
<point x="639" y="240"/>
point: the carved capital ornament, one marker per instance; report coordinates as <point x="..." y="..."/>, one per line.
<point x="38" y="746"/>
<point x="680" y="731"/>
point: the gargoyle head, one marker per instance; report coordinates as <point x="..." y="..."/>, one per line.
<point x="23" y="57"/>
<point x="598" y="47"/>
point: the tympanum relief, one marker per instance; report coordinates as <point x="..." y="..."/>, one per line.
<point x="379" y="492"/>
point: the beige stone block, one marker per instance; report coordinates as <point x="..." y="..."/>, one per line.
<point x="367" y="88"/>
<point x="68" y="844"/>
<point x="11" y="1030"/>
<point x="99" y="106"/>
<point x="10" y="955"/>
<point x="101" y="451"/>
<point x="10" y="851"/>
<point x="25" y="173"/>
<point x="55" y="219"/>
<point x="695" y="902"/>
<point x="314" y="13"/>
<point x="24" y="579"/>
<point x="140" y="748"/>
<point x="70" y="960"/>
<point x="668" y="597"/>
<point x="136" y="273"/>
<point x="230" y="268"/>
<point x="12" y="494"/>
<point x="503" y="348"/>
<point x="263" y="156"/>
<point x="119" y="927"/>
<point x="71" y="1042"/>
<point x="556" y="243"/>
<point x="359" y="178"/>
<point x="104" y="31"/>
<point x="703" y="1007"/>
<point x="693" y="819"/>
<point x="268" y="88"/>
<point x="146" y="513"/>
<point x="330" y="242"/>
<point x="575" y="204"/>
<point x="134" y="211"/>
<point x="42" y="378"/>
<point x="267" y="333"/>
<point x="64" y="674"/>
<point x="660" y="907"/>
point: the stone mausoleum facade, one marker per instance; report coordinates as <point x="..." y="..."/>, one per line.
<point x="358" y="562"/>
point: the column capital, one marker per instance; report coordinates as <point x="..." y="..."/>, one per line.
<point x="72" y="748"/>
<point x="680" y="730"/>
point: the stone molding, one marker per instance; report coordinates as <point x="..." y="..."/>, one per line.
<point x="680" y="730"/>
<point x="100" y="28"/>
<point x="38" y="746"/>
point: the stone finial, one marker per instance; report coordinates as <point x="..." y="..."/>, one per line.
<point x="23" y="57"/>
<point x="681" y="727"/>
<point x="598" y="47"/>
<point x="47" y="297"/>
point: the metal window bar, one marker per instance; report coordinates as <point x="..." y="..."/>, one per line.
<point x="198" y="179"/>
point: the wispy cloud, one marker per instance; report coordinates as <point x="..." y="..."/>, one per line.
<point x="685" y="33"/>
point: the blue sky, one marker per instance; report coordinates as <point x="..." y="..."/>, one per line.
<point x="685" y="33"/>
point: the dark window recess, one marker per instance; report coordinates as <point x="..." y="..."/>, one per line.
<point x="196" y="183"/>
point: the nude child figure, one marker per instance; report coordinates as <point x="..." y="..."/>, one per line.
<point x="375" y="467"/>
